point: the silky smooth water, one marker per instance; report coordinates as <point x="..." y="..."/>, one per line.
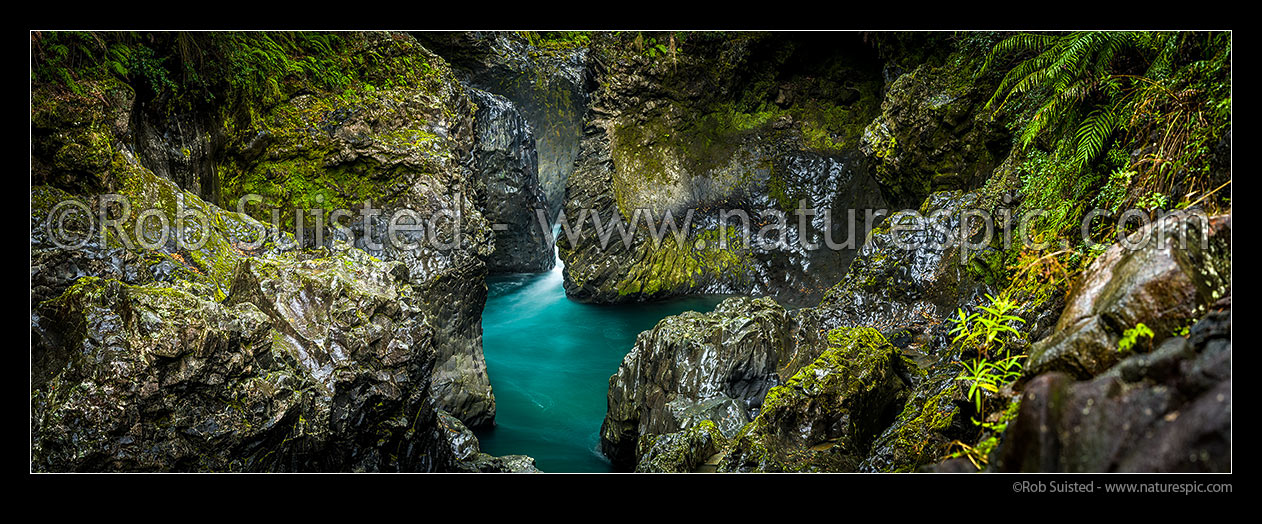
<point x="549" y="359"/>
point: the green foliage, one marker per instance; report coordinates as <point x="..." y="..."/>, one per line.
<point x="989" y="329"/>
<point x="1163" y="95"/>
<point x="1132" y="336"/>
<point x="987" y="333"/>
<point x="557" y="40"/>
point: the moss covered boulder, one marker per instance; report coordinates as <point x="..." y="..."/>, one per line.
<point x="824" y="417"/>
<point x="684" y="451"/>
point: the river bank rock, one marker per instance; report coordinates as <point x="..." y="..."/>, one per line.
<point x="309" y="366"/>
<point x="460" y="448"/>
<point x="262" y="354"/>
<point x="1170" y="280"/>
<point x="901" y="290"/>
<point x="1164" y="411"/>
<point x="695" y="367"/>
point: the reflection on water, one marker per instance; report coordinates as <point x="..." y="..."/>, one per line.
<point x="550" y="359"/>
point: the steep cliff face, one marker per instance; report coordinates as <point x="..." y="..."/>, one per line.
<point x="545" y="80"/>
<point x="507" y="181"/>
<point x="253" y="352"/>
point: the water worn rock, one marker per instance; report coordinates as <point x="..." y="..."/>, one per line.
<point x="692" y="367"/>
<point x="715" y="127"/>
<point x="313" y="364"/>
<point x="904" y="288"/>
<point x="1164" y="282"/>
<point x="227" y="346"/>
<point x="1165" y="411"/>
<point x="460" y="448"/>
<point x="507" y="180"/>
<point x="825" y="416"/>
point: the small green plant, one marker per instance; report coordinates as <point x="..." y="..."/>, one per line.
<point x="988" y="332"/>
<point x="989" y="328"/>
<point x="982" y="374"/>
<point x="1154" y="200"/>
<point x="1132" y="335"/>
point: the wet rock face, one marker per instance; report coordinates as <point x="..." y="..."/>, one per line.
<point x="510" y="197"/>
<point x="1164" y="284"/>
<point x="1165" y="411"/>
<point x="906" y="419"/>
<point x="404" y="149"/>
<point x="694" y="367"/>
<point x="547" y="85"/>
<point x="713" y="129"/>
<point x="911" y="272"/>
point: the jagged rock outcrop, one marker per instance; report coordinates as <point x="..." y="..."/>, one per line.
<point x="506" y="175"/>
<point x="712" y="127"/>
<point x="461" y="449"/>
<point x="406" y="152"/>
<point x="684" y="451"/>
<point x="1169" y="280"/>
<point x="1164" y="411"/>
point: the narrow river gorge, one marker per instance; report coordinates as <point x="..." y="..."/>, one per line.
<point x="790" y="251"/>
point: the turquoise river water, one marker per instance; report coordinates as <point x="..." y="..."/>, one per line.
<point x="549" y="359"/>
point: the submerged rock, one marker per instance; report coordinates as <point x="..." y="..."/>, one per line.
<point x="1166" y="411"/>
<point x="1182" y="268"/>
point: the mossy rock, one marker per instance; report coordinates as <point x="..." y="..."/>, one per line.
<point x="824" y="417"/>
